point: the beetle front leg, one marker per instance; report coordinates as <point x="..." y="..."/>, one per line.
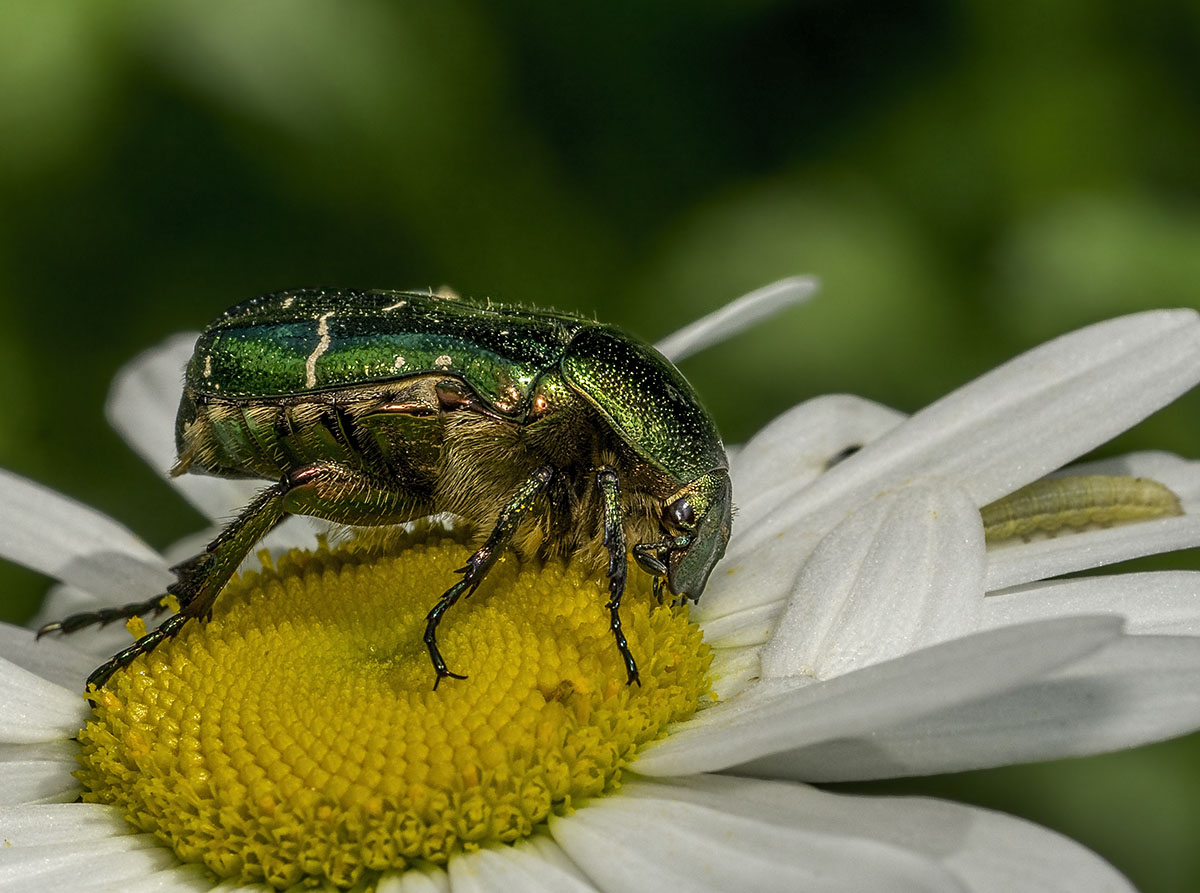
<point x="481" y="562"/>
<point x="614" y="541"/>
<point x="651" y="557"/>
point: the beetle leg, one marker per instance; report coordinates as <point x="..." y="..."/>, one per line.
<point x="202" y="578"/>
<point x="481" y="562"/>
<point x="614" y="541"/>
<point x="104" y="616"/>
<point x="327" y="491"/>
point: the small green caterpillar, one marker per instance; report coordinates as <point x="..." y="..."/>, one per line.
<point x="1081" y="501"/>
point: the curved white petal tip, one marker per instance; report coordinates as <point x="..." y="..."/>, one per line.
<point x="737" y="316"/>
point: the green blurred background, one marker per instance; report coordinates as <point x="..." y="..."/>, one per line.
<point x="968" y="179"/>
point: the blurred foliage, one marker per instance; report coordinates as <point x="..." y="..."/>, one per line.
<point x="968" y="179"/>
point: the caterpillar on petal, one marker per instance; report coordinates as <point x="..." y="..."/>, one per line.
<point x="1046" y="506"/>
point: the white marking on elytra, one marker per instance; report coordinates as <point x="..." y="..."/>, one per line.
<point x="310" y="365"/>
<point x="444" y="360"/>
<point x="396" y="306"/>
<point x="288" y="302"/>
<point x="399" y="362"/>
<point x="208" y="366"/>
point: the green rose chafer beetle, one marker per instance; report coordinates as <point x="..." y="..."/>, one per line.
<point x="545" y="431"/>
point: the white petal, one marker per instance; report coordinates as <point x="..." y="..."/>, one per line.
<point x="142" y="406"/>
<point x="1181" y="475"/>
<point x="294" y="532"/>
<point x="62" y="823"/>
<point x="52" y="659"/>
<point x="91" y="644"/>
<point x="769" y="475"/>
<point x="60" y="601"/>
<point x="218" y="499"/>
<point x="300" y="532"/>
<point x="1161" y="602"/>
<point x="733" y="670"/>
<point x="415" y="880"/>
<point x="659" y="841"/>
<point x="75" y="846"/>
<point x="531" y="865"/>
<point x="1013" y="425"/>
<point x="736" y="316"/>
<point x="720" y="832"/>
<point x="34" y="709"/>
<point x="766" y="574"/>
<point x="110" y="864"/>
<point x="174" y="877"/>
<point x="779" y="716"/>
<point x="799" y="446"/>
<point x="144" y="398"/>
<point x="38" y="781"/>
<point x="749" y="626"/>
<point x="902" y="573"/>
<point x="1055" y="402"/>
<point x="1136" y="690"/>
<point x="1013" y="562"/>
<point x="65" y="539"/>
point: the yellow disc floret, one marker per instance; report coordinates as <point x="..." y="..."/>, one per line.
<point x="297" y="734"/>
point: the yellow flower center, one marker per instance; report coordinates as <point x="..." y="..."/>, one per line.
<point x="297" y="736"/>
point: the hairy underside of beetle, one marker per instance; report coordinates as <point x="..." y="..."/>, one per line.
<point x="405" y="457"/>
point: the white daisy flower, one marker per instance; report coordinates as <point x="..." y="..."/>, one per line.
<point x="860" y="627"/>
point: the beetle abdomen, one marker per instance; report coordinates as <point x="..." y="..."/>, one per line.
<point x="256" y="439"/>
<point x="270" y="439"/>
<point x="1082" y="501"/>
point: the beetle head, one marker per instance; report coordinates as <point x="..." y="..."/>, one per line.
<point x="697" y="520"/>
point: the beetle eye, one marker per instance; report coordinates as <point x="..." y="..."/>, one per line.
<point x="680" y="514"/>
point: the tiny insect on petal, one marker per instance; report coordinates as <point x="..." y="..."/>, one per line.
<point x="1078" y="502"/>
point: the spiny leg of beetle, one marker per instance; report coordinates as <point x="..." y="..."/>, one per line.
<point x="614" y="541"/>
<point x="188" y="576"/>
<point x="147" y="643"/>
<point x="481" y="562"/>
<point x="104" y="616"/>
<point x="202" y="578"/>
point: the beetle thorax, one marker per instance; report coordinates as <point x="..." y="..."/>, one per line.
<point x="485" y="461"/>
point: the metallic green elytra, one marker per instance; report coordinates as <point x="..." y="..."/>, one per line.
<point x="547" y="432"/>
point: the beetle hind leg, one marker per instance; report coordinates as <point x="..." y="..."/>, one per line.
<point x="104" y="616"/>
<point x="189" y="576"/>
<point x="201" y="579"/>
<point x="147" y="643"/>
